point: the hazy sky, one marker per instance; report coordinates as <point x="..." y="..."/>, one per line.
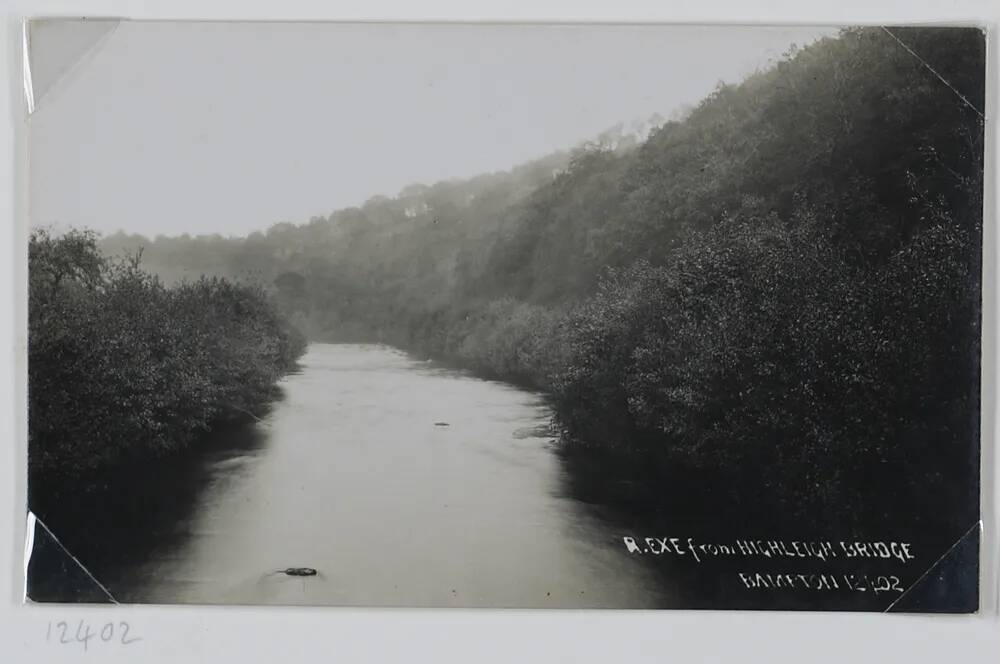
<point x="169" y="128"/>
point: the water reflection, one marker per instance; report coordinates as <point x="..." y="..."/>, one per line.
<point x="146" y="516"/>
<point x="354" y="474"/>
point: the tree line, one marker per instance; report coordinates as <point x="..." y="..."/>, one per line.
<point x="768" y="306"/>
<point x="123" y="370"/>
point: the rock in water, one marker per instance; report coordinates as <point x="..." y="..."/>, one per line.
<point x="300" y="571"/>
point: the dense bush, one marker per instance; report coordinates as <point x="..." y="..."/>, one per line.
<point x="785" y="378"/>
<point x="508" y="339"/>
<point x="122" y="369"/>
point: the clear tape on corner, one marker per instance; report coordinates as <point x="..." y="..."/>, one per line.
<point x="53" y="48"/>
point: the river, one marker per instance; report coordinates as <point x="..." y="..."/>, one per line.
<point x="402" y="483"/>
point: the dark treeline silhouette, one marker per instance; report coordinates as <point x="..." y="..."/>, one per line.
<point x="123" y="371"/>
<point x="768" y="308"/>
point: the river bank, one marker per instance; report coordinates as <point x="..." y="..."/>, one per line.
<point x="352" y="473"/>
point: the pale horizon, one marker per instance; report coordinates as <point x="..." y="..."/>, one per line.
<point x="173" y="128"/>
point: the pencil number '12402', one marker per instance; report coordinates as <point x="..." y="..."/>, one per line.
<point x="110" y="632"/>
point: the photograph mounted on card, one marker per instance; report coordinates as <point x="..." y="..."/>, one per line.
<point x="496" y="315"/>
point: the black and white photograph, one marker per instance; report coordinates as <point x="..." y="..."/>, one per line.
<point x="504" y="315"/>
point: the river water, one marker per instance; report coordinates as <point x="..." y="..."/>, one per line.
<point x="403" y="484"/>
